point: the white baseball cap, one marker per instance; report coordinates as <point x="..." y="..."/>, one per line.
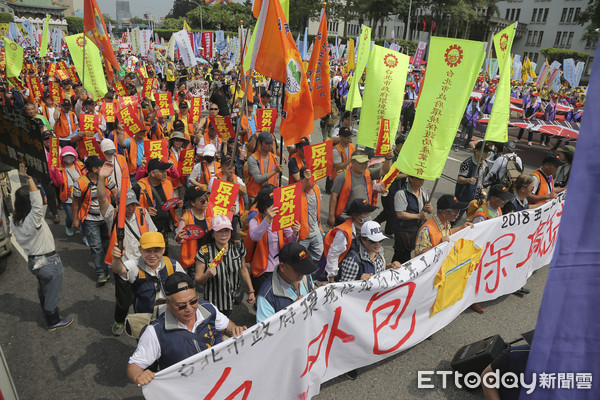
<point x="220" y="222"/>
<point x="372" y="231"/>
<point x="209" y="150"/>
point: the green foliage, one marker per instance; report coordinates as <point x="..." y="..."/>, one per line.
<point x="74" y="25"/>
<point x="6" y="17"/>
<point x="221" y="17"/>
<point x="559" y="55"/>
<point x="301" y="11"/>
<point x="591" y="15"/>
<point x="173" y="23"/>
<point x="181" y="8"/>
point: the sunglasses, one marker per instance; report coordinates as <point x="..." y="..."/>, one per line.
<point x="203" y="201"/>
<point x="373" y="241"/>
<point x="213" y="109"/>
<point x="184" y="306"/>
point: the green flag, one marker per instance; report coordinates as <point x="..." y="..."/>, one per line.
<point x="451" y="73"/>
<point x="44" y="45"/>
<point x="497" y="128"/>
<point x="14" y="58"/>
<point x="285" y="5"/>
<point x="93" y="75"/>
<point x="364" y="46"/>
<point x="384" y="93"/>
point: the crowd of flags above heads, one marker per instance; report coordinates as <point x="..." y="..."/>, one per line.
<point x="272" y="52"/>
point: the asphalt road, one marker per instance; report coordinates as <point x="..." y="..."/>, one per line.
<point x="86" y="361"/>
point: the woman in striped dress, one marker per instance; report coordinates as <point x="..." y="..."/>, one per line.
<point x="225" y="259"/>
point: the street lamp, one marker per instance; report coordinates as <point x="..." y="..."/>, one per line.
<point x="195" y="2"/>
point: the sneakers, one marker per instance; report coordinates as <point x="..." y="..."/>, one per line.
<point x="102" y="279"/>
<point x="529" y="144"/>
<point x="352" y="375"/>
<point x="69" y="231"/>
<point x="117" y="328"/>
<point x="62" y="323"/>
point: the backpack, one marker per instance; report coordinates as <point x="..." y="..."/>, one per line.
<point x="513" y="170"/>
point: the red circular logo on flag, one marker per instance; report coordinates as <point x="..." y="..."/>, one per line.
<point x="503" y="42"/>
<point x="390" y="60"/>
<point x="80" y="41"/>
<point x="13" y="46"/>
<point x="454" y="55"/>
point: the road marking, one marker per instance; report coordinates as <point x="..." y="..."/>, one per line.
<point x="15" y="183"/>
<point x="454" y="159"/>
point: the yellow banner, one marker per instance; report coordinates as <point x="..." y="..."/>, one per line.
<point x="92" y="75"/>
<point x="14" y="58"/>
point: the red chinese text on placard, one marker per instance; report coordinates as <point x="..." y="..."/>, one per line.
<point x="109" y="111"/>
<point x="383" y="139"/>
<point x="287" y="200"/>
<point x="222" y="197"/>
<point x="54" y="152"/>
<point x="186" y="161"/>
<point x="164" y="105"/>
<point x="120" y="88"/>
<point x="319" y="160"/>
<point x="130" y="120"/>
<point x="266" y="119"/>
<point x="89" y="147"/>
<point x="89" y="123"/>
<point x="51" y="71"/>
<point x="196" y="109"/>
<point x="129" y="101"/>
<point x="156" y="149"/>
<point x="223" y="126"/>
<point x="143" y="72"/>
<point x="62" y="75"/>
<point x="147" y="89"/>
<point x="55" y="92"/>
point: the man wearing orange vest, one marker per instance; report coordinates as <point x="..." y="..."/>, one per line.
<point x="311" y="232"/>
<point x="338" y="241"/>
<point x="437" y="229"/>
<point x="543" y="180"/>
<point x="155" y="190"/>
<point x="342" y="152"/>
<point x="118" y="161"/>
<point x="262" y="166"/>
<point x="137" y="222"/>
<point x="297" y="161"/>
<point x="67" y="124"/>
<point x="86" y="210"/>
<point x="497" y="198"/>
<point x="135" y="150"/>
<point x="355" y="182"/>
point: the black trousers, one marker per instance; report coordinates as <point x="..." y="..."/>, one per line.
<point x="123" y="297"/>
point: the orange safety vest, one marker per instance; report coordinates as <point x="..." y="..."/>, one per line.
<point x="484" y="212"/>
<point x="258" y="252"/>
<point x="122" y="161"/>
<point x="61" y="127"/>
<point x="435" y="235"/>
<point x="346" y="229"/>
<point x="208" y="140"/>
<point x="206" y="174"/>
<point x="147" y="197"/>
<point x="304" y="229"/>
<point x="160" y="133"/>
<point x="345" y="193"/>
<point x="251" y="186"/>
<point x="189" y="248"/>
<point x="85" y="201"/>
<point x="300" y="165"/>
<point x="65" y="189"/>
<point x="545" y="187"/>
<point x="189" y="126"/>
<point x="176" y="182"/>
<point x="340" y="149"/>
<point x="45" y="112"/>
<point x="142" y="224"/>
<point x="132" y="155"/>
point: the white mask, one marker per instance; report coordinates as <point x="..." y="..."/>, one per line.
<point x="69" y="159"/>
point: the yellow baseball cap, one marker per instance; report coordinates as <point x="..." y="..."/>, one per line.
<point x="152" y="239"/>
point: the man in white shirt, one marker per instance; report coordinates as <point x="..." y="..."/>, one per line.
<point x="498" y="171"/>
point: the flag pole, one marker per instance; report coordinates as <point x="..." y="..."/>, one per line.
<point x="281" y="137"/>
<point x="239" y="122"/>
<point x="237" y="81"/>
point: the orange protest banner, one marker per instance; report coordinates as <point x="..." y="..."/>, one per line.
<point x="51" y="70"/>
<point x="266" y="119"/>
<point x="126" y="101"/>
<point x="164" y="105"/>
<point x="196" y="109"/>
<point x="73" y="74"/>
<point x="36" y="87"/>
<point x="62" y="75"/>
<point x="130" y="120"/>
<point x="156" y="149"/>
<point x="54" y="152"/>
<point x="319" y="160"/>
<point x="147" y="89"/>
<point x="89" y="124"/>
<point x="186" y="161"/>
<point x="223" y="126"/>
<point x="222" y="197"/>
<point x="143" y="72"/>
<point x="286" y="199"/>
<point x="120" y="88"/>
<point x="383" y="139"/>
<point x="109" y="110"/>
<point x="55" y="92"/>
<point x="89" y="147"/>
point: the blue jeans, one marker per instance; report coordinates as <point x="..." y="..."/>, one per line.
<point x="97" y="236"/>
<point x="50" y="277"/>
<point x="68" y="207"/>
<point x="314" y="245"/>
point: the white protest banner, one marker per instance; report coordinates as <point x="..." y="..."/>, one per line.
<point x="145" y="35"/>
<point x="135" y="40"/>
<point x="171" y="49"/>
<point x="578" y="72"/>
<point x="185" y="48"/>
<point x="343" y="326"/>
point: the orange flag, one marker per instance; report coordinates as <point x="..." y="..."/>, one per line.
<point x="318" y="71"/>
<point x="276" y="56"/>
<point x="95" y="29"/>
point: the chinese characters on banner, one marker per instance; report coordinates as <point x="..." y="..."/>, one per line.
<point x="109" y="111"/>
<point x="319" y="160"/>
<point x="383" y="139"/>
<point x="89" y="147"/>
<point x="36" y="87"/>
<point x="143" y="72"/>
<point x="127" y="101"/>
<point x="164" y="105"/>
<point x="89" y="124"/>
<point x="130" y="120"/>
<point x="207" y="43"/>
<point x="223" y="126"/>
<point x="51" y="71"/>
<point x="286" y="198"/>
<point x="372" y="320"/>
<point x="266" y="119"/>
<point x="62" y="75"/>
<point x="156" y="149"/>
<point x="56" y="92"/>
<point x="186" y="161"/>
<point x="222" y="197"/>
<point x="54" y="152"/>
<point x="196" y="109"/>
<point x="147" y="89"/>
<point x="120" y="88"/>
<point x="73" y="74"/>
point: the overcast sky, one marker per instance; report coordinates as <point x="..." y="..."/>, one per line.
<point x="138" y="8"/>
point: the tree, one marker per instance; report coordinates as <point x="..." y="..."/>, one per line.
<point x="301" y="11"/>
<point x="74" y="24"/>
<point x="559" y="55"/>
<point x="6" y="17"/>
<point x="181" y="8"/>
<point x="221" y="16"/>
<point x="173" y="23"/>
<point x="590" y="15"/>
